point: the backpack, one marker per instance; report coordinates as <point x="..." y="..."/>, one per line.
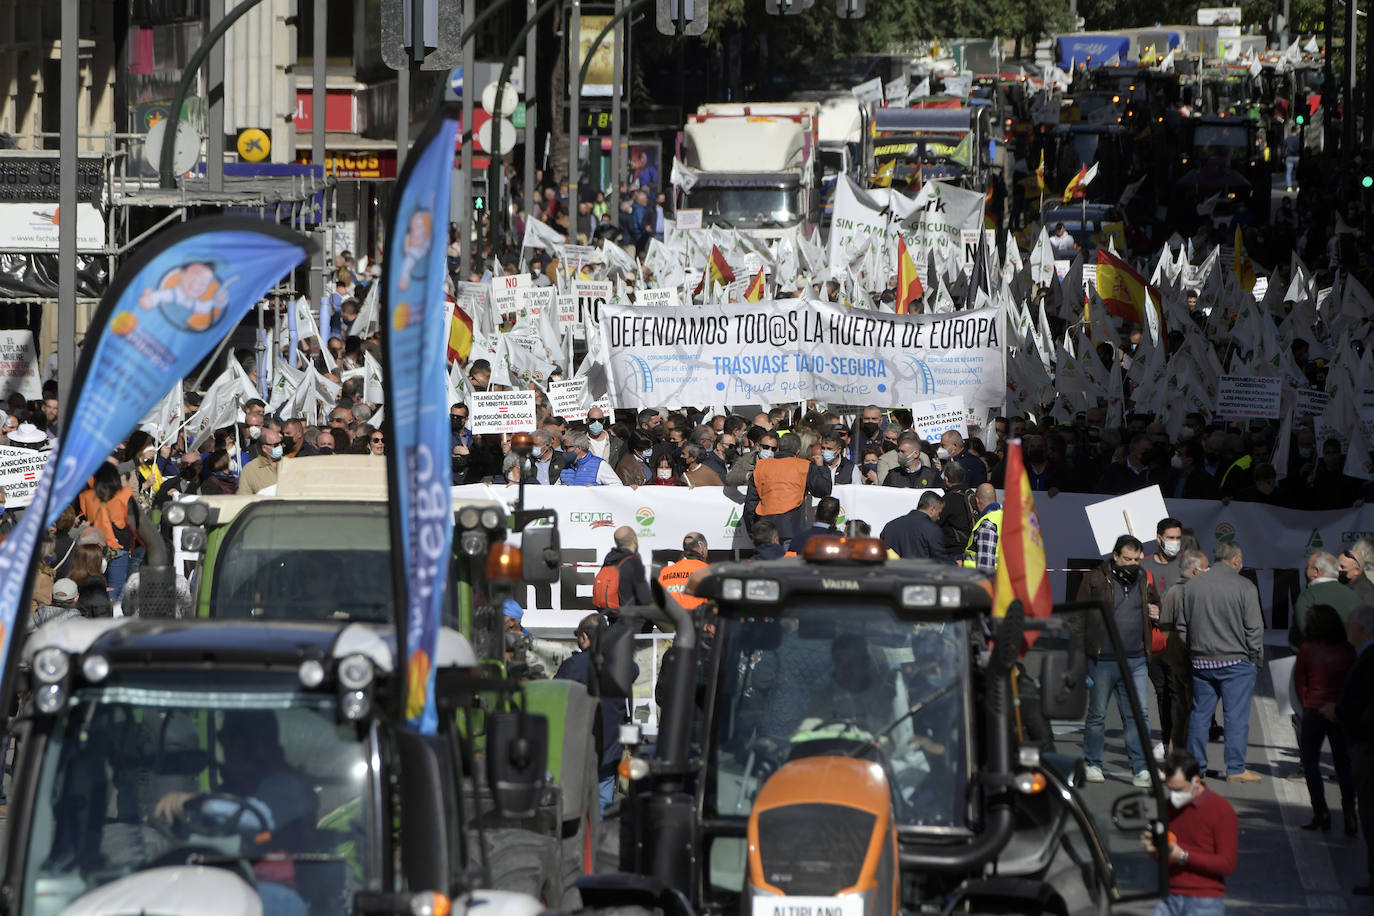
<point x="606" y="586"/>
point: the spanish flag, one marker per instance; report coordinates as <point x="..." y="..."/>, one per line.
<point x="1244" y="267"/>
<point x="1072" y="188"/>
<point x="459" y="336"/>
<point x="717" y="270"/>
<point x="1123" y="289"/>
<point x="1021" y="572"/>
<point x="755" y="291"/>
<point x="909" y="287"/>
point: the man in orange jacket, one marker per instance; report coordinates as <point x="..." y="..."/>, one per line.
<point x="782" y="485"/>
<point x="674" y="576"/>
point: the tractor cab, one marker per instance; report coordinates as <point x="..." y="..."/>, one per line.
<point x="870" y="739"/>
<point x="261" y="764"/>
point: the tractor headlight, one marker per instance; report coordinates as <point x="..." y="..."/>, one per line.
<point x="355" y="672"/>
<point x="51" y="665"/>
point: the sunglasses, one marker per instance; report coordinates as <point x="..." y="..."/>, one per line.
<point x="378" y="439"/>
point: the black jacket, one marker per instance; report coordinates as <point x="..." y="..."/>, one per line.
<point x="956" y="519"/>
<point x="634" y="583"/>
<point x="915" y="536"/>
<point x="1355" y="710"/>
<point x="799" y="541"/>
<point x="920" y="478"/>
<point x="1099" y="585"/>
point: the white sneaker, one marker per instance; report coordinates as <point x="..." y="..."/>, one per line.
<point x="1093" y="774"/>
<point x="1159" y="751"/>
<point x="1142" y="779"/>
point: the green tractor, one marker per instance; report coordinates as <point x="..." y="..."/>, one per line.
<point x="319" y="549"/>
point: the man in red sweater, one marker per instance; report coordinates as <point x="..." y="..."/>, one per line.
<point x="1203" y="837"/>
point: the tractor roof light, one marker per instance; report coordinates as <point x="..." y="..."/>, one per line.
<point x="844" y="550"/>
<point x="504" y="563"/>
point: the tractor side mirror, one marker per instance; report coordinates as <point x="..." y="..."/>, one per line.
<point x="517" y="756"/>
<point x="613" y="657"/>
<point x="1064" y="684"/>
<point x="539" y="558"/>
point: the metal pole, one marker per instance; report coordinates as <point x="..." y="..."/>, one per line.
<point x="214" y="122"/>
<point x="469" y="80"/>
<point x="531" y="49"/>
<point x="574" y="104"/>
<point x="1328" y="79"/>
<point x="1368" y="85"/>
<point x="70" y="88"/>
<point x="617" y="151"/>
<point x="1352" y="40"/>
<point x="319" y="77"/>
<point x="167" y="178"/>
<point x="403" y="116"/>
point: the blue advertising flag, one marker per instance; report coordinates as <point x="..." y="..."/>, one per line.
<point x="164" y="313"/>
<point x="418" y="438"/>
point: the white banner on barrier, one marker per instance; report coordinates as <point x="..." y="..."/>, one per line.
<point x="778" y="352"/>
<point x="1275" y="541"/>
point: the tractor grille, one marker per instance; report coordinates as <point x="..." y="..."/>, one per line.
<point x="814" y="849"/>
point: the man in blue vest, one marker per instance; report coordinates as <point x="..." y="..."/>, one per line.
<point x="586" y="469"/>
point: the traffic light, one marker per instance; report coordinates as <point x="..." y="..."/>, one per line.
<point x="1367" y="181"/>
<point x="479" y="192"/>
<point x="1301" y="119"/>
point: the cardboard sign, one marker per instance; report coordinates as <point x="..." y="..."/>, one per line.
<point x="501" y="412"/>
<point x="932" y="419"/>
<point x="1311" y="402"/>
<point x="591" y="295"/>
<point x="567" y="309"/>
<point x="659" y="296"/>
<point x="19" y="365"/>
<point x="1135" y="513"/>
<point x="503" y="291"/>
<point x="1244" y="397"/>
<point x="689" y="219"/>
<point x="19" y="470"/>
<point x="566" y="399"/>
<point x="532" y="300"/>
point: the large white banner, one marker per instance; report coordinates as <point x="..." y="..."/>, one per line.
<point x="1275" y="541"/>
<point x="793" y="350"/>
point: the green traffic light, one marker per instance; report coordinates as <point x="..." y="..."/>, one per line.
<point x="479" y="203"/>
<point x="1367" y="181"/>
<point x="1302" y="119"/>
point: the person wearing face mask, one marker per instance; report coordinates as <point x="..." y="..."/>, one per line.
<point x="722" y="451"/>
<point x="1162" y="569"/>
<point x="293" y="441"/>
<point x="750" y="450"/>
<point x="1202" y="844"/>
<point x="635" y="468"/>
<point x="664" y="473"/>
<point x="888" y="441"/>
<point x="1323" y="587"/>
<point x="603" y="445"/>
<point x="1186" y="479"/>
<point x="909" y="471"/>
<point x="586" y="469"/>
<point x="261" y="472"/>
<point x="829" y="455"/>
<point x="545" y="463"/>
<point x="1219" y="621"/>
<point x="458" y="425"/>
<point x="952" y="442"/>
<point x="868" y="429"/>
<point x="782" y="486"/>
<point x="868" y="466"/>
<point x="1351" y="573"/>
<point x="697" y="473"/>
<point x="1191" y="564"/>
<point x="1117" y="583"/>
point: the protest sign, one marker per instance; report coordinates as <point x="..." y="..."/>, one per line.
<point x="19" y="365"/>
<point x="532" y="300"/>
<point x="503" y="291"/>
<point x="566" y="399"/>
<point x="567" y="309"/>
<point x="1243" y="397"/>
<point x="591" y="296"/>
<point x="501" y="412"/>
<point x="19" y="470"/>
<point x="1311" y="402"/>
<point x="931" y="419"/>
<point x="689" y="219"/>
<point x="779" y="352"/>
<point x="1135" y="514"/>
<point x="660" y="297"/>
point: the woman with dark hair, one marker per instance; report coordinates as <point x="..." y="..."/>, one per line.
<point x="633" y="469"/>
<point x="665" y="474"/>
<point x="1319" y="675"/>
<point x="218" y="478"/>
<point x="110" y="506"/>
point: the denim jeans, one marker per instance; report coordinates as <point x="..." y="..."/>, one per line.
<point x="1180" y="905"/>
<point x="116" y="574"/>
<point x="1107" y="682"/>
<point x="605" y="793"/>
<point x="1290" y="168"/>
<point x="1233" y="686"/>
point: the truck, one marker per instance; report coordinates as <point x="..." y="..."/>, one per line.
<point x="241" y="767"/>
<point x="754" y="166"/>
<point x="318" y="549"/>
<point x="839" y="733"/>
<point x="908" y="146"/>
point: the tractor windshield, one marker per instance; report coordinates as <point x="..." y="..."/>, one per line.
<point x="851" y="679"/>
<point x="253" y="775"/>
